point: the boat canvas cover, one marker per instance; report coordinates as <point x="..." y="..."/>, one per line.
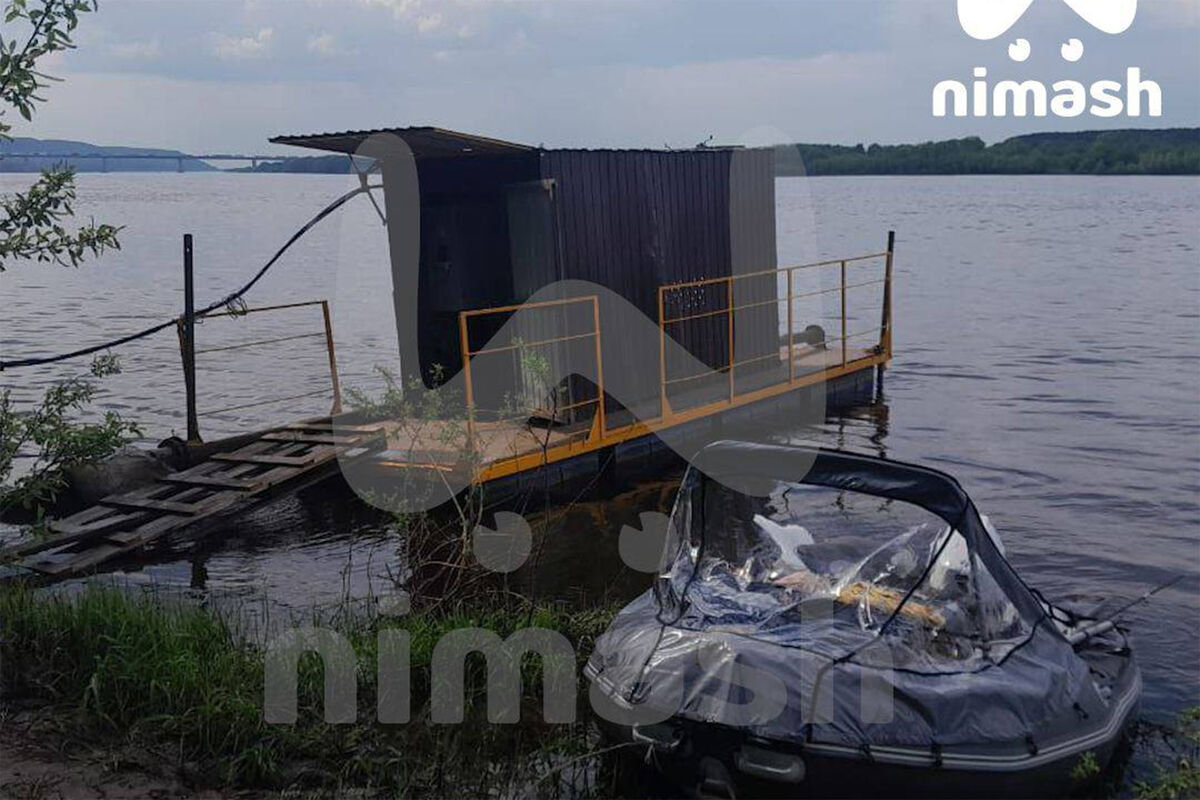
<point x="779" y="616"/>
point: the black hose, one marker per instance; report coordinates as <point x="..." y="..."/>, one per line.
<point x="222" y="303"/>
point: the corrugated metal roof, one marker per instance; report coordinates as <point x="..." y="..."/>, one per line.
<point x="425" y="142"/>
<point x="431" y="142"/>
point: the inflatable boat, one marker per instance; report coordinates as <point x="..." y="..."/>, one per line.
<point x="833" y="624"/>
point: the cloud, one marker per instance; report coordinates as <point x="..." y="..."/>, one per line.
<point x="429" y="23"/>
<point x="597" y="73"/>
<point x="430" y="17"/>
<point x="326" y="45"/>
<point x="235" y="48"/>
<point x="323" y="44"/>
<point x="201" y="115"/>
<point x="137" y="51"/>
<point x="401" y="8"/>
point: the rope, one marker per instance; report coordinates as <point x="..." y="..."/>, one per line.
<point x="226" y="302"/>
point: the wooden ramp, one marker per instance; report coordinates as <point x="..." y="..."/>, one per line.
<point x="283" y="459"/>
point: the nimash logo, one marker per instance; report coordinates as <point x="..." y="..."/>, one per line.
<point x="990" y="19"/>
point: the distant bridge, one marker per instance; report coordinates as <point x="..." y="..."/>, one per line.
<point x="178" y="158"/>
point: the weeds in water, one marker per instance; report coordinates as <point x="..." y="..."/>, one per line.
<point x="1086" y="768"/>
<point x="176" y="678"/>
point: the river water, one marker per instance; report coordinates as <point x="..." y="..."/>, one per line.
<point x="1047" y="338"/>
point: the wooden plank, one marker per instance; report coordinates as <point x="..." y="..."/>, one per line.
<point x="310" y="438"/>
<point x="325" y="427"/>
<point x="69" y="534"/>
<point x="147" y="504"/>
<point x="96" y="524"/>
<point x="76" y="564"/>
<point x="412" y="455"/>
<point x="186" y="498"/>
<point x="235" y="484"/>
<point x="278" y="475"/>
<point x="89" y="514"/>
<point x="144" y="535"/>
<point x="270" y="460"/>
<point x="147" y="533"/>
<point x="252" y="485"/>
<point x="124" y="542"/>
<point x="208" y="467"/>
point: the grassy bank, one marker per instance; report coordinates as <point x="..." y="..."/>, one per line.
<point x="130" y="671"/>
<point x="120" y="672"/>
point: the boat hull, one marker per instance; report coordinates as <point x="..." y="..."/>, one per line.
<point x="712" y="761"/>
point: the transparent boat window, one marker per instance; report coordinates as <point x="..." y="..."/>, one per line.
<point x="827" y="569"/>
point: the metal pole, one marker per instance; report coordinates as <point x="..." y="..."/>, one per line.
<point x="188" y="341"/>
<point x="885" y="326"/>
<point x="333" y="370"/>
<point x="729" y="300"/>
<point x="844" y="313"/>
<point x="791" y="331"/>
<point x="887" y="294"/>
<point x="465" y="346"/>
<point x="665" y="407"/>
<point x="599" y="365"/>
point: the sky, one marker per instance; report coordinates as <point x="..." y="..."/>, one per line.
<point x="225" y="75"/>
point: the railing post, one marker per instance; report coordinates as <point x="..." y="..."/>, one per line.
<point x="791" y="337"/>
<point x="599" y="363"/>
<point x="333" y="370"/>
<point x="886" y="326"/>
<point x="187" y="340"/>
<point x="465" y="345"/>
<point x="665" y="409"/>
<point x="729" y="313"/>
<point x="844" y="342"/>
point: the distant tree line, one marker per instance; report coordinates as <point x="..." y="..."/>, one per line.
<point x="1123" y="152"/>
<point x="323" y="165"/>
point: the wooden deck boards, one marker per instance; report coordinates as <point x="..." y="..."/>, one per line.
<point x="120" y="524"/>
<point x="441" y="445"/>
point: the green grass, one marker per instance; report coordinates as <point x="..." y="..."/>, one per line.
<point x="133" y="670"/>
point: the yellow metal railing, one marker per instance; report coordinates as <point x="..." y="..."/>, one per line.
<point x="730" y="310"/>
<point x="516" y="346"/>
<point x="600" y="436"/>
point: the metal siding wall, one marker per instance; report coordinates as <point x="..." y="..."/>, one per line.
<point x="694" y="197"/>
<point x="634" y="220"/>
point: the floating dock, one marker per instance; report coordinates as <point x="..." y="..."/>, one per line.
<point x="531" y="449"/>
<point x="228" y="483"/>
<point x="670" y="319"/>
<point x="669" y="310"/>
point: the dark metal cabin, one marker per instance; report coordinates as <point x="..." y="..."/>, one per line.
<point x="499" y="221"/>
